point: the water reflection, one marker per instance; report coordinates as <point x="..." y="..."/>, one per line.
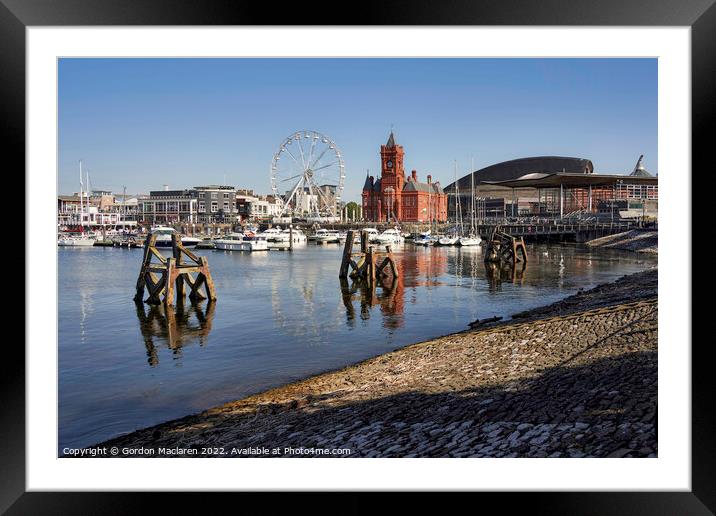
<point x="280" y="316"/>
<point x="497" y="272"/>
<point x="174" y="327"/>
<point x="386" y="293"/>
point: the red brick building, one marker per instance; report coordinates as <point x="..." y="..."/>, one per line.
<point x="395" y="198"/>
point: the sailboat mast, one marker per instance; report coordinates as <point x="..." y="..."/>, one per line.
<point x="458" y="207"/>
<point x="81" y="208"/>
<point x="473" y="226"/>
<point x="88" y="197"/>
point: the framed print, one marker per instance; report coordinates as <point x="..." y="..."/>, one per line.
<point x="423" y="240"/>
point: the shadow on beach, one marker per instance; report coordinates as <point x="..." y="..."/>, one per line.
<point x="606" y="407"/>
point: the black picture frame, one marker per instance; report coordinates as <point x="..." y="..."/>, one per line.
<point x="700" y="15"/>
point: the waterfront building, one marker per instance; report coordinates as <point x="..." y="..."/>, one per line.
<point x="393" y="197"/>
<point x="94" y="213"/>
<point x="303" y="200"/>
<point x="258" y="207"/>
<point x="169" y="207"/>
<point x="201" y="204"/>
<point x="554" y="186"/>
<point x="216" y="203"/>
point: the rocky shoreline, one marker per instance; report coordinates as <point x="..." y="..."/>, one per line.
<point x="637" y="240"/>
<point x="574" y="379"/>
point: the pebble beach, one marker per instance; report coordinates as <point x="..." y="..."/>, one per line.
<point x="574" y="379"/>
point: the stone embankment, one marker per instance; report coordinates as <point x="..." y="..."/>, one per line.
<point x="576" y="379"/>
<point x="629" y="288"/>
<point x="637" y="240"/>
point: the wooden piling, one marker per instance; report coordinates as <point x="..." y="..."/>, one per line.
<point x="167" y="276"/>
<point x="505" y="248"/>
<point x="369" y="265"/>
<point x="346" y="261"/>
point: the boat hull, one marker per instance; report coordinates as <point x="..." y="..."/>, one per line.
<point x="186" y="242"/>
<point x="76" y="242"/>
<point x="259" y="245"/>
<point x="466" y="242"/>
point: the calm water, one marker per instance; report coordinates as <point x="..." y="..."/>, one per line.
<point x="279" y="317"/>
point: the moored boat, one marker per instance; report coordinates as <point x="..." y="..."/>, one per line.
<point x="239" y="242"/>
<point x="327" y="236"/>
<point x="389" y="236"/>
<point x="447" y="240"/>
<point x="469" y="241"/>
<point x="206" y="243"/>
<point x="76" y="240"/>
<point x="425" y="240"/>
<point x="164" y="237"/>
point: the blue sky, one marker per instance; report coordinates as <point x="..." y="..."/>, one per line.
<point x="142" y="123"/>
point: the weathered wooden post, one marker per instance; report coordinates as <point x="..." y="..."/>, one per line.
<point x="389" y="261"/>
<point x="148" y="244"/>
<point x="370" y="259"/>
<point x="290" y="237"/>
<point x="170" y="274"/>
<point x="179" y="280"/>
<point x="369" y="266"/>
<point x="210" y="290"/>
<point x="346" y="261"/>
<point x="171" y="277"/>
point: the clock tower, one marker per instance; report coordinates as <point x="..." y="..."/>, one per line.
<point x="392" y="179"/>
<point x="394" y="198"/>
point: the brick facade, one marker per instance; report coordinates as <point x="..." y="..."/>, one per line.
<point x="393" y="197"/>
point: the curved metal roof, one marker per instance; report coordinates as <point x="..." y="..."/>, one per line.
<point x="513" y="169"/>
<point x="573" y="180"/>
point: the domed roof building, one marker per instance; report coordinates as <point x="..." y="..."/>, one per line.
<point x="516" y="168"/>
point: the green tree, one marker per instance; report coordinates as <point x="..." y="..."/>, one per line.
<point x="352" y="210"/>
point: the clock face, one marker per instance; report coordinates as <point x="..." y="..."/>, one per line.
<point x="389" y="164"/>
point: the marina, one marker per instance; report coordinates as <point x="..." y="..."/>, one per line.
<point x="279" y="317"/>
<point x="477" y="279"/>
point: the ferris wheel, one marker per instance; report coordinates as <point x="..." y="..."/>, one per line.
<point x="309" y="173"/>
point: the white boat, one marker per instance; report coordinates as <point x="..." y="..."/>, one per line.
<point x="77" y="240"/>
<point x="372" y="233"/>
<point x="299" y="237"/>
<point x="447" y="240"/>
<point x="469" y="241"/>
<point x="473" y="239"/>
<point x="424" y="240"/>
<point x="164" y="237"/>
<point x="239" y="242"/>
<point x="284" y="239"/>
<point x="274" y="235"/>
<point x="389" y="236"/>
<point x="327" y="236"/>
<point x="82" y="238"/>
